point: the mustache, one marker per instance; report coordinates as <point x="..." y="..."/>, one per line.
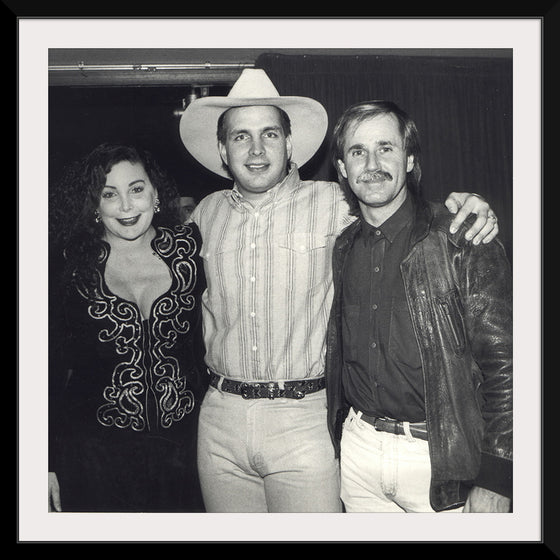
<point x="374" y="176"/>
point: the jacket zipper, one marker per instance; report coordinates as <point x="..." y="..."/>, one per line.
<point x="451" y="323"/>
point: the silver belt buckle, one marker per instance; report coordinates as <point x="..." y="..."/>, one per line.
<point x="246" y="392"/>
<point x="272" y="390"/>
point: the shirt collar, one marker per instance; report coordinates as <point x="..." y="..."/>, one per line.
<point x="391" y="227"/>
<point x="283" y="188"/>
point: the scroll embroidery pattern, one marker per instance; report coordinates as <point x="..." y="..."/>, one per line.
<point x="171" y="319"/>
<point x="149" y="367"/>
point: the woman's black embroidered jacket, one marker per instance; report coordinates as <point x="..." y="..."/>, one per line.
<point x="132" y="374"/>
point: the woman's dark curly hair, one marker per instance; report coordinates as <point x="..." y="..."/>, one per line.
<point x="74" y="199"/>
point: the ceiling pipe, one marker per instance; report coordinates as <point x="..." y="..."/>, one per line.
<point x="82" y="67"/>
<point x="82" y="74"/>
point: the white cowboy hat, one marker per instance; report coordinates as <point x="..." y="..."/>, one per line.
<point x="199" y="121"/>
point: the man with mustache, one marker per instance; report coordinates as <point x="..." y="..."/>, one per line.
<point x="419" y="344"/>
<point x="264" y="445"/>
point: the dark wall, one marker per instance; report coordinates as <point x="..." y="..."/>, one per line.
<point x="80" y="118"/>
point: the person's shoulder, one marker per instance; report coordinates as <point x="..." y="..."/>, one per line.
<point x="206" y="207"/>
<point x="328" y="184"/>
<point x="441" y="216"/>
<point x="324" y="186"/>
<point x="348" y="232"/>
<point x="211" y="200"/>
<point x="214" y="195"/>
<point x="441" y="222"/>
<point x="324" y="190"/>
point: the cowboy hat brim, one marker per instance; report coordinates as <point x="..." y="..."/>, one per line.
<point x="198" y="127"/>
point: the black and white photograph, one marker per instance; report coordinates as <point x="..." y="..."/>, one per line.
<point x="278" y="278"/>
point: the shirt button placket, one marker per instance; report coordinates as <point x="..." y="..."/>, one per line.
<point x="253" y="281"/>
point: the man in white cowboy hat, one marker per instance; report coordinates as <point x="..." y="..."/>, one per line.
<point x="264" y="445"/>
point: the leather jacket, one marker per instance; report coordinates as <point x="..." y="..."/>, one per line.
<point x="460" y="301"/>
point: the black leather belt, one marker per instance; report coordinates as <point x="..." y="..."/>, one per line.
<point x="417" y="429"/>
<point x="266" y="389"/>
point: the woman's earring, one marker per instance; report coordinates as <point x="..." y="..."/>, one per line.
<point x="97" y="217"/>
<point x="156" y="206"/>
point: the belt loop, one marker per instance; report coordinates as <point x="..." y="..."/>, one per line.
<point x="281" y="384"/>
<point x="220" y="381"/>
<point x="358" y="418"/>
<point x="407" y="432"/>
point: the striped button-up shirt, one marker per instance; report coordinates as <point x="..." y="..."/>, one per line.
<point x="268" y="271"/>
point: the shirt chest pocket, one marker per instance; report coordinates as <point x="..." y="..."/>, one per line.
<point x="307" y="257"/>
<point x="302" y="243"/>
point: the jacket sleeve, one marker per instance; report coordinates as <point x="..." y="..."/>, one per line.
<point x="337" y="408"/>
<point x="486" y="285"/>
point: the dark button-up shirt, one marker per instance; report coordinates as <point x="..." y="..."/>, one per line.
<point x="382" y="373"/>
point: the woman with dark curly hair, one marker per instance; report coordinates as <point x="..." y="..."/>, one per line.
<point x="127" y="373"/>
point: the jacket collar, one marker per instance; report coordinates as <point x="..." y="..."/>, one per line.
<point x="423" y="216"/>
<point x="422" y="219"/>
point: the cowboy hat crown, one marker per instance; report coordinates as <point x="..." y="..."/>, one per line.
<point x="198" y="124"/>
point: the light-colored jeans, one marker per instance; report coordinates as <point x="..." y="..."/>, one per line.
<point x="383" y="472"/>
<point x="267" y="455"/>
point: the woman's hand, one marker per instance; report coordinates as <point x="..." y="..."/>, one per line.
<point x="54" y="493"/>
<point x="481" y="500"/>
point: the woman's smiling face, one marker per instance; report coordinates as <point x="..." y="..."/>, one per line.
<point x="126" y="204"/>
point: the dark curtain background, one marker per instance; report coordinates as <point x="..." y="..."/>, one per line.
<point x="462" y="107"/>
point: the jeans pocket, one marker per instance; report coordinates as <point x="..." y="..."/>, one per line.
<point x="349" y="422"/>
